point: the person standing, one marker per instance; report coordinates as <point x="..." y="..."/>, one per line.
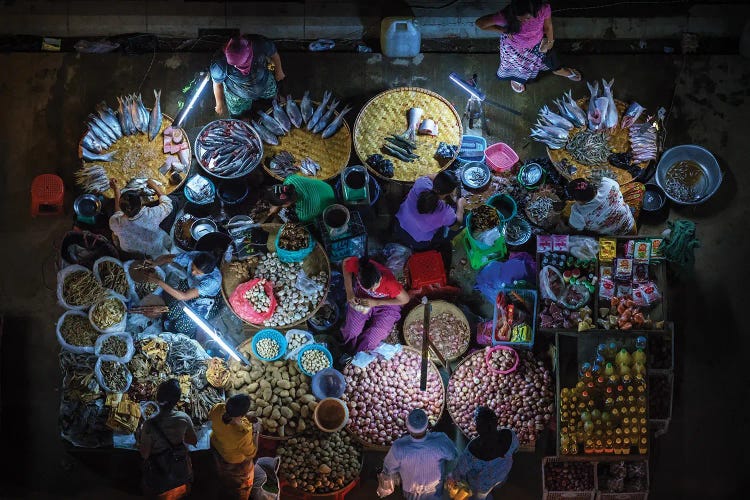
<point x="308" y="197"/>
<point x="234" y="445"/>
<point x="162" y="442"/>
<point x="486" y="461"/>
<point x="135" y="227"/>
<point x="599" y="210"/>
<point x="526" y="41"/>
<point x="424" y="216"/>
<point x="242" y="74"/>
<point x="374" y="299"/>
<point x="420" y="459"/>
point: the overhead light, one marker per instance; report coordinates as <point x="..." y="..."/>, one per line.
<point x="212" y="333"/>
<point x="193" y="99"/>
<point x="471" y="89"/>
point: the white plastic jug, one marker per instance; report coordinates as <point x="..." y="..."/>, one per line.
<point x="400" y="37"/>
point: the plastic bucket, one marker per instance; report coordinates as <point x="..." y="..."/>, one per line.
<point x="504" y="204"/>
<point x="232" y="192"/>
<point x="399" y="37"/>
<point x="336" y="219"/>
<point x="331" y="415"/>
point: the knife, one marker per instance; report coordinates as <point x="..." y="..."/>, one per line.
<point x="425" y="345"/>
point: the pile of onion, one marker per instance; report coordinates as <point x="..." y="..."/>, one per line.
<point x="381" y="396"/>
<point x="523" y="400"/>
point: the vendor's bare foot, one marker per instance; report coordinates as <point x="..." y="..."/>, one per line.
<point x="569" y="73"/>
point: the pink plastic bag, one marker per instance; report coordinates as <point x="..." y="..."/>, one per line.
<point x="242" y="307"/>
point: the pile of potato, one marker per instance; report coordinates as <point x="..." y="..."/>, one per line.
<point x="279" y="393"/>
<point x="319" y="462"/>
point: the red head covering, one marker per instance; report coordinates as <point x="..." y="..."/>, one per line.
<point x="239" y="53"/>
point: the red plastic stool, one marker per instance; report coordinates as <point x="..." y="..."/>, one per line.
<point x="47" y="190"/>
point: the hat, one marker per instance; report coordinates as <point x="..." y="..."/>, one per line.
<point x="417" y="422"/>
<point x="238" y="405"/>
<point x="239" y="53"/>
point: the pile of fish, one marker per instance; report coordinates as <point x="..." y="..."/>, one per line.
<point x="602" y="113"/>
<point x="92" y="179"/>
<point x="553" y="129"/>
<point x="318" y="121"/>
<point x="108" y="125"/>
<point x="284" y="164"/>
<point x="228" y="148"/>
<point x="643" y="141"/>
<point x="402" y="145"/>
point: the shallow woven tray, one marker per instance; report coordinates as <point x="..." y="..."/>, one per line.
<point x="619" y="142"/>
<point x="150" y="168"/>
<point x="378" y="447"/>
<point x="314" y="263"/>
<point x="438" y="307"/>
<point x="385" y="114"/>
<point x="331" y="154"/>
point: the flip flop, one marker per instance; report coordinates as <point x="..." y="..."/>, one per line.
<point x="517" y="87"/>
<point x="574" y="75"/>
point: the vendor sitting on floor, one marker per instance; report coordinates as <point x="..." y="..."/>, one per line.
<point x="136" y="228"/>
<point x="309" y="197"/>
<point x="599" y="210"/>
<point x="199" y="289"/>
<point x="374" y="299"/>
<point x="424" y="215"/>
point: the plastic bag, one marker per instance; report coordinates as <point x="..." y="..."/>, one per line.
<point x="386" y="484"/>
<point x="70" y="347"/>
<point x="488" y="238"/>
<point x="306" y="285"/>
<point x="583" y="247"/>
<point x="242" y="307"/>
<point x="100" y="378"/>
<point x="362" y="359"/>
<point x="140" y="326"/>
<point x="125" y="337"/>
<point x="266" y="480"/>
<point x="117" y="327"/>
<point x="98" y="277"/>
<point x="491" y="278"/>
<point x="84" y="247"/>
<point x="292" y="354"/>
<point x="61" y="275"/>
<point x="550" y="277"/>
<point x="96" y="47"/>
<point x="396" y="257"/>
<point x="135" y="297"/>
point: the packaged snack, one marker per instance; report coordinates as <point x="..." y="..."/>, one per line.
<point x="624" y="269"/>
<point x="656" y="252"/>
<point x="543" y="243"/>
<point x="606" y="289"/>
<point x="640" y="273"/>
<point x="605" y="272"/>
<point x="650" y="292"/>
<point x="560" y="242"/>
<point x="607" y="249"/>
<point x="629" y="245"/>
<point x="638" y="297"/>
<point x="623" y="289"/>
<point x="642" y="251"/>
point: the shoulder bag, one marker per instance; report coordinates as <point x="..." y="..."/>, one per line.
<point x="168" y="469"/>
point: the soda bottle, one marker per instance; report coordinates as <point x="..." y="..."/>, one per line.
<point x="598" y="446"/>
<point x="625" y="446"/>
<point x="611" y="351"/>
<point x="574" y="448"/>
<point x="609" y="446"/>
<point x="623" y="369"/>
<point x="585" y="367"/>
<point x="609" y="369"/>
<point x="588" y="446"/>
<point x="639" y="368"/>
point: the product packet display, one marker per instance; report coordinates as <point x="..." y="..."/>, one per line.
<point x="607" y="249"/>
<point x="640" y="273"/>
<point x="642" y="252"/>
<point x="606" y="288"/>
<point x="543" y="243"/>
<point x="624" y="269"/>
<point x="560" y="242"/>
<point x="629" y="246"/>
<point x="656" y="251"/>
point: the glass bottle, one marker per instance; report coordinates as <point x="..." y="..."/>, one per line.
<point x="573" y="448"/>
<point x="588" y="446"/>
<point x="625" y="446"/>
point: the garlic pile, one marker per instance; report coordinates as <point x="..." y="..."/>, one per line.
<point x="295" y="340"/>
<point x="314" y="360"/>
<point x="267" y="348"/>
<point x="293" y="304"/>
<point x="258" y="298"/>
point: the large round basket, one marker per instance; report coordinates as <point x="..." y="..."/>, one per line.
<point x="136" y="156"/>
<point x="331" y="154"/>
<point x="438" y="307"/>
<point x="340" y="493"/>
<point x="385" y="114"/>
<point x="619" y="142"/>
<point x="376" y="447"/>
<point x="447" y="407"/>
<point x="314" y="263"/>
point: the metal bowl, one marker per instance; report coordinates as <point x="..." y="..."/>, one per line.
<point x="517" y="225"/>
<point x="198" y="149"/>
<point x="87" y="205"/>
<point x="705" y="187"/>
<point x="475" y="175"/>
<point x="654" y="199"/>
<point x="531" y="175"/>
<point x="202" y="227"/>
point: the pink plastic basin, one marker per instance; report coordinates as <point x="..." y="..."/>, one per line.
<point x="500" y="157"/>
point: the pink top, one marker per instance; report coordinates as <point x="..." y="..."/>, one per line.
<point x="532" y="31"/>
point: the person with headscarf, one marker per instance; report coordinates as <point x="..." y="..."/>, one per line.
<point x="162" y="442"/>
<point x="307" y="197"/>
<point x="486" y="461"/>
<point x="234" y="445"/>
<point x="248" y="69"/>
<point x="420" y="459"/>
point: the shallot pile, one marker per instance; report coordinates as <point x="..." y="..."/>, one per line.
<point x="502" y="359"/>
<point x="522" y="400"/>
<point x="381" y="396"/>
<point x="448" y="333"/>
<point x="568" y="476"/>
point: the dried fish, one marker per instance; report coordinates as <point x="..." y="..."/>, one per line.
<point x="80" y="288"/>
<point x="589" y="148"/>
<point x="115" y="375"/>
<point x="113" y="346"/>
<point x="484" y="218"/>
<point x="77" y="330"/>
<point x="92" y="179"/>
<point x="107" y="313"/>
<point x="113" y="277"/>
<point x="283" y="164"/>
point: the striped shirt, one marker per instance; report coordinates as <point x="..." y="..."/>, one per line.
<point x="420" y="463"/>
<point x="313" y="196"/>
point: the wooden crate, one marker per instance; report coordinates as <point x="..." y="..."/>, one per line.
<point x="569" y="495"/>
<point x="630" y="495"/>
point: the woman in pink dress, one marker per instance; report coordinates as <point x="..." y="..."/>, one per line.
<point x="526" y="40"/>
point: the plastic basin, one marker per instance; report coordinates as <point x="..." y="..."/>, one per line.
<point x="504" y="204"/>
<point x="313" y="347"/>
<point x="331" y="415"/>
<point x="705" y="187"/>
<point x="269" y="333"/>
<point x="500" y="157"/>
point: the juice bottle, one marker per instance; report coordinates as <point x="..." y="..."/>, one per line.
<point x="588" y="427"/>
<point x="596" y="414"/>
<point x="623" y="357"/>
<point x="585" y="372"/>
<point x="625" y="446"/>
<point x="585" y="416"/>
<point x="625" y="432"/>
<point x="609" y="369"/>
<point x="609" y="446"/>
<point x="609" y="403"/>
<point x="624" y="368"/>
<point x="625" y="422"/>
<point x="639" y="368"/>
<point x="588" y="446"/>
<point x="618" y="446"/>
<point x="573" y="448"/>
<point x="643" y="446"/>
<point x="611" y="351"/>
<point x="598" y="446"/>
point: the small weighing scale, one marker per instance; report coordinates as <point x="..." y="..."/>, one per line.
<point x="355" y="185"/>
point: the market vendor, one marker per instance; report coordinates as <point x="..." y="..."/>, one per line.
<point x="486" y="461"/>
<point x="308" y="197"/>
<point x="247" y="70"/>
<point x="599" y="209"/>
<point x="420" y="459"/>
<point x="425" y="215"/>
<point x="135" y="227"/>
<point x="199" y="289"/>
<point x="234" y="445"/>
<point x="374" y="299"/>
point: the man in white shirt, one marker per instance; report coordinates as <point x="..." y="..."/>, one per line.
<point x="600" y="210"/>
<point x="136" y="228"/>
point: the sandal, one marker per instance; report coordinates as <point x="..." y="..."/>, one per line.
<point x="517" y="87"/>
<point x="574" y="75"/>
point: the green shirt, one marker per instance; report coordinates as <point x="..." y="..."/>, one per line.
<point x="313" y="196"/>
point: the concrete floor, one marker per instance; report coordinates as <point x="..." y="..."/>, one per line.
<point x="44" y="99"/>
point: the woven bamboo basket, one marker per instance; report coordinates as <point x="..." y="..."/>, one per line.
<point x="331" y="154"/>
<point x="619" y="142"/>
<point x="129" y="164"/>
<point x="314" y="263"/>
<point x="376" y="447"/>
<point x="438" y="307"/>
<point x="385" y="114"/>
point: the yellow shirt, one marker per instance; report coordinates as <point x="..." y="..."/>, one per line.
<point x="234" y="442"/>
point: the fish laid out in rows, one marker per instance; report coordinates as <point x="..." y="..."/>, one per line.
<point x="92" y="179"/>
<point x="228" y="148"/>
<point x="284" y="164"/>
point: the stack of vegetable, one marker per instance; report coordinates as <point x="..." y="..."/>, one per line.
<point x="568" y="476"/>
<point x="448" y="333"/>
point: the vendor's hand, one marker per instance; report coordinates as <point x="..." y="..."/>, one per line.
<point x="220" y="109"/>
<point x="546" y="45"/>
<point x="461" y="202"/>
<point x="113" y="184"/>
<point x="279" y="75"/>
<point x="163" y="259"/>
<point x="367" y="302"/>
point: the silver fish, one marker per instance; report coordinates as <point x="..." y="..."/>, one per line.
<point x="293" y="112"/>
<point x="309" y="167"/>
<point x="555" y="119"/>
<point x="271" y="124"/>
<point x="264" y="133"/>
<point x="335" y="125"/>
<point x="108" y="117"/>
<point x="143" y="114"/>
<point x="121" y="117"/>
<point x="125" y="118"/>
<point x="100" y="134"/>
<point x="323" y="122"/>
<point x="154" y="121"/>
<point x="597" y="113"/>
<point x="280" y="115"/>
<point x="103" y="127"/>
<point x="305" y="107"/>
<point x="631" y="114"/>
<point x="552" y="131"/>
<point x="610" y="117"/>
<point x="135" y="114"/>
<point x="91" y="156"/>
<point x="592" y="118"/>
<point x="574" y="108"/>
<point x="319" y="111"/>
<point x="91" y="143"/>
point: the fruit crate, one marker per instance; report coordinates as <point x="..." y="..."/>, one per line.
<point x="425" y="269"/>
<point x="353" y="243"/>
<point x="602" y="494"/>
<point x="568" y="495"/>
